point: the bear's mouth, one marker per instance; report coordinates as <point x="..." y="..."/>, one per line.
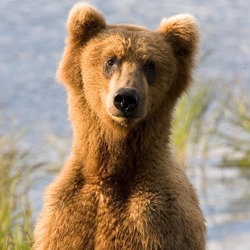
<point x="125" y="118"/>
<point x="126" y="114"/>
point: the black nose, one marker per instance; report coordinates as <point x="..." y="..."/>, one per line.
<point x="126" y="99"/>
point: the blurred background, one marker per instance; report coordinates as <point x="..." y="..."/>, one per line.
<point x="211" y="135"/>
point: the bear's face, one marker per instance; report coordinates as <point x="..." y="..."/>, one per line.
<point x="127" y="73"/>
<point x="132" y="73"/>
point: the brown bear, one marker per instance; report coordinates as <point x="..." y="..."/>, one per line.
<point x="121" y="187"/>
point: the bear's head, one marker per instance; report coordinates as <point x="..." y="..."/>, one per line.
<point x="124" y="74"/>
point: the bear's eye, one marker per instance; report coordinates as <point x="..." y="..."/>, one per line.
<point x="149" y="70"/>
<point x="151" y="66"/>
<point x="110" y="66"/>
<point x="110" y="62"/>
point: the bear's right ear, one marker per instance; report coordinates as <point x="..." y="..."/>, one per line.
<point x="84" y="22"/>
<point x="183" y="34"/>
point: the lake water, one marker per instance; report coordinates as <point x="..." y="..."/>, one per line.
<point x="32" y="37"/>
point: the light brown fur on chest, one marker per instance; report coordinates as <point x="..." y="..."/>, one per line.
<point x="147" y="214"/>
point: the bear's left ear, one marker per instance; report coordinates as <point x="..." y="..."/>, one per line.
<point x="84" y="21"/>
<point x="182" y="33"/>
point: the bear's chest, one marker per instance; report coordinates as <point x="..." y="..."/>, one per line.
<point x="114" y="220"/>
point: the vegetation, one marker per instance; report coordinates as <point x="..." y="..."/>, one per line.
<point x="205" y="123"/>
<point x="15" y="209"/>
<point x="190" y="131"/>
<point x="235" y="131"/>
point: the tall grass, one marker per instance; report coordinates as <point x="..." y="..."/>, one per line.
<point x="15" y="210"/>
<point x="235" y="132"/>
<point x="190" y="125"/>
<point x="206" y="123"/>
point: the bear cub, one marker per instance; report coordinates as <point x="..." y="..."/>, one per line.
<point x="121" y="187"/>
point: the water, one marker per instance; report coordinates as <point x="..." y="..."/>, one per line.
<point x="32" y="37"/>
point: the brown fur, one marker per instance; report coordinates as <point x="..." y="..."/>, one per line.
<point x="121" y="187"/>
